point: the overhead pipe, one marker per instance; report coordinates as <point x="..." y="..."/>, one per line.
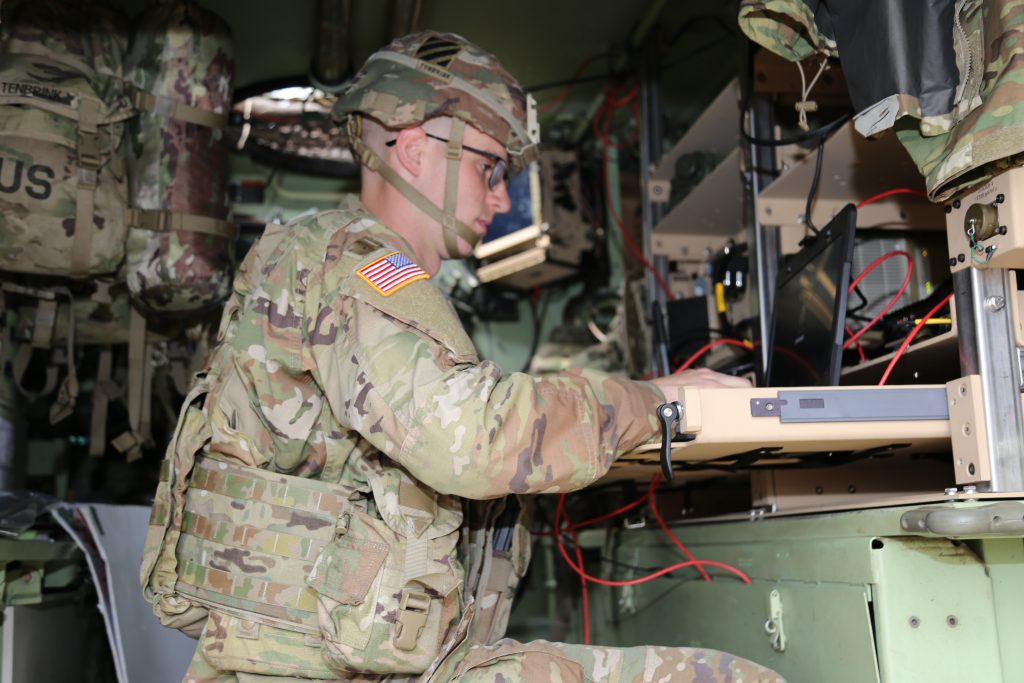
<point x="331" y="44"/>
<point x="403" y="18"/>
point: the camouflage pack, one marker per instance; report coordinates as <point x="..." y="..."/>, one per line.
<point x="62" y="173"/>
<point x="179" y="244"/>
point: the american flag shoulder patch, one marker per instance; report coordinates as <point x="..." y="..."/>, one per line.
<point x="391" y="272"/>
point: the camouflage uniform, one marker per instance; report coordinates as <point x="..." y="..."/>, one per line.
<point x="328" y="504"/>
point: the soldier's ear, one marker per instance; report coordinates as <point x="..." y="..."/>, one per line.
<point x="411" y="149"/>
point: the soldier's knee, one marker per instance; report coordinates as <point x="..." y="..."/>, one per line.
<point x="519" y="664"/>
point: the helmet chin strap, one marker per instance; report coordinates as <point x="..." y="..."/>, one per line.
<point x="452" y="227"/>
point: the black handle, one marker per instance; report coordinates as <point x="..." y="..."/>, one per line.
<point x="668" y="416"/>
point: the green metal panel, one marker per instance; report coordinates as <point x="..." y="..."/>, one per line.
<point x="859" y="599"/>
<point x="827" y="626"/>
<point x="934" y="612"/>
<point x="1004" y="561"/>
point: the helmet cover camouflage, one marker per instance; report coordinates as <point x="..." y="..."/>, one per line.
<point x="431" y="74"/>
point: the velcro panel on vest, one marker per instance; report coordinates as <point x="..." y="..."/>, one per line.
<point x="420" y="305"/>
<point x="250" y="537"/>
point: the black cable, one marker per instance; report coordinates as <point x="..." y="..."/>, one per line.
<point x="863" y="302"/>
<point x="814" y="187"/>
<point x="823" y="131"/>
<point x="536" y="336"/>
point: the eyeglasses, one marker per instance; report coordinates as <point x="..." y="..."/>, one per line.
<point x="498" y="172"/>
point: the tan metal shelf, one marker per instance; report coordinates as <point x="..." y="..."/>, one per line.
<point x="854" y="169"/>
<point x="714" y="207"/>
<point x="716" y="131"/>
<point x="933" y="360"/>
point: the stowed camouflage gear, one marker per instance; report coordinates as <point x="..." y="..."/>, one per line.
<point x="315" y="482"/>
<point x="988" y="133"/>
<point x="62" y="180"/>
<point x="182" y="54"/>
<point x="981" y="136"/>
<point x="432" y="74"/>
<point x="785" y="27"/>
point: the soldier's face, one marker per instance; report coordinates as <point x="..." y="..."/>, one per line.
<point x="477" y="203"/>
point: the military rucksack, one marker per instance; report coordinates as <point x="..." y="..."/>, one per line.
<point x="71" y="216"/>
<point x="62" y="111"/>
<point x="179" y="244"/>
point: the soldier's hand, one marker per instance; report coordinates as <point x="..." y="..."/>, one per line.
<point x="701" y="377"/>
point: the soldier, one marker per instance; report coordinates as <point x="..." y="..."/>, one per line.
<point x="335" y="500"/>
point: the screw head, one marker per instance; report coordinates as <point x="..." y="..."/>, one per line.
<point x="952" y="262"/>
<point x="1000" y="198"/>
<point x="819" y="489"/>
<point x="1001" y="230"/>
<point x="851" y="488"/>
<point x="914" y="622"/>
<point x="970" y="470"/>
<point x="961" y="258"/>
<point x="995" y="303"/>
<point x="951" y="620"/>
<point x="956" y="203"/>
<point x="949" y="209"/>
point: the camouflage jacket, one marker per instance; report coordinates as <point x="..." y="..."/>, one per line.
<point x="321" y="373"/>
<point x="330" y="385"/>
<point x="983" y="133"/>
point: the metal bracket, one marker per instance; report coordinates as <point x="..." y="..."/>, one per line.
<point x="774" y="626"/>
<point x="1004" y="519"/>
<point x="968" y="430"/>
<point x="658" y="191"/>
<point x="853" y="405"/>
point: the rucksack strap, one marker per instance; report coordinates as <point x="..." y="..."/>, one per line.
<point x="157" y="220"/>
<point x="175" y="109"/>
<point x="89" y="161"/>
<point x="102" y="394"/>
<point x="140" y="378"/>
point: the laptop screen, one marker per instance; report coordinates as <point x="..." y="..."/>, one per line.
<point x="810" y="308"/>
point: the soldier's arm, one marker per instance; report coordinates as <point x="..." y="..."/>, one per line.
<point x="464" y="427"/>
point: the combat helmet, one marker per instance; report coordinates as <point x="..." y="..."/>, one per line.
<point x="428" y="75"/>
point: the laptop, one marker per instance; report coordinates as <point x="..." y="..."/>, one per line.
<point x="809" y="315"/>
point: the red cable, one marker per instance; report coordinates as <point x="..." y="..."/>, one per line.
<point x="559" y="509"/>
<point x="603" y="120"/>
<point x="860" y="349"/>
<point x="710" y="345"/>
<point x="903" y="288"/>
<point x="627" y="240"/>
<point x="557" y="99"/>
<point x="655" y="480"/>
<point x="585" y="601"/>
<point x="910" y="338"/>
<point x="614" y="513"/>
<point x="889" y="193"/>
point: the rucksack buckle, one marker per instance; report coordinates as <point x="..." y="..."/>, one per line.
<point x="89" y="151"/>
<point x="411" y="618"/>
